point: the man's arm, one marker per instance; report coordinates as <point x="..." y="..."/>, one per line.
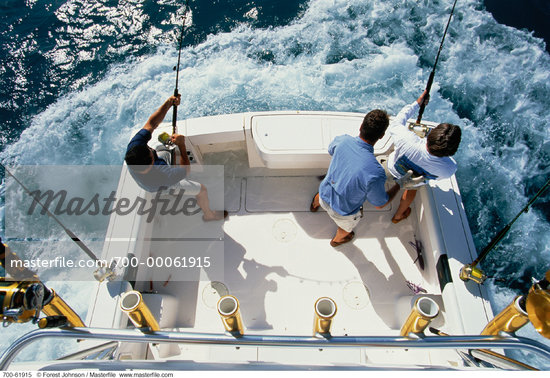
<point x="158" y="116"/>
<point x="424" y="97"/>
<point x="392" y="192"/>
<point x="400" y="120"/>
<point x="179" y="140"/>
<point x="333" y="145"/>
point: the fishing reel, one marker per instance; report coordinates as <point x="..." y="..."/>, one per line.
<point x="21" y="301"/>
<point x="165" y="139"/>
<point x="420" y="129"/>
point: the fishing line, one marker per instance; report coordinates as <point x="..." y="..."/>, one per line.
<point x="432" y="74"/>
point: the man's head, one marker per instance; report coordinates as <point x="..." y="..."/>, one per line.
<point x="140" y="155"/>
<point x="444" y="140"/>
<point x="374" y="125"/>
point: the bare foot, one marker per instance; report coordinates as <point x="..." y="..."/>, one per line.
<point x="314" y="206"/>
<point x="214" y="216"/>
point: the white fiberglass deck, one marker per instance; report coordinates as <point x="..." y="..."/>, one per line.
<point x="278" y="262"/>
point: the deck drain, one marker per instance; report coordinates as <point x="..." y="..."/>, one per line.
<point x="284" y="230"/>
<point x="356" y="295"/>
<point x="212" y="293"/>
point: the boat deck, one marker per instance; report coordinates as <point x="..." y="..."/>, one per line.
<point x="274" y="256"/>
<point x="277" y="261"/>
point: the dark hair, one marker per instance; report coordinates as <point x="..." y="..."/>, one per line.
<point x="138" y="155"/>
<point x="444" y="140"/>
<point x="374" y="125"/>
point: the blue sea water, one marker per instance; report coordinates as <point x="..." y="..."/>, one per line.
<point x="77" y="76"/>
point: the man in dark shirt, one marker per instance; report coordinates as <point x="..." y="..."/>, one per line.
<point x="152" y="172"/>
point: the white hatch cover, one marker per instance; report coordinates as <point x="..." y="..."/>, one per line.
<point x="301" y="140"/>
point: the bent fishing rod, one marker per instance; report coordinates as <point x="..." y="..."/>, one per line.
<point x="432" y="74"/>
<point x="102" y="272"/>
<point x="177" y="67"/>
<point x="71" y="234"/>
<point x="470" y="271"/>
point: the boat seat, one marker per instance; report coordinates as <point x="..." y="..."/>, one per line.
<point x="298" y="140"/>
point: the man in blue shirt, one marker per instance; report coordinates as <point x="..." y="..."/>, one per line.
<point x="152" y="172"/>
<point x="354" y="176"/>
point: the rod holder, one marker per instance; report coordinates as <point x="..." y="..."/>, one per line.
<point x="134" y="306"/>
<point x="422" y="313"/>
<point x="471" y="272"/>
<point x="325" y="310"/>
<point x="512" y="318"/>
<point x="56" y="306"/>
<point x="228" y="308"/>
<point x="538" y="306"/>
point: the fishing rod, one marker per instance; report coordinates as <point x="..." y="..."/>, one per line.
<point x="102" y="272"/>
<point x="177" y="68"/>
<point x="432" y="74"/>
<point x="79" y="242"/>
<point x="470" y="271"/>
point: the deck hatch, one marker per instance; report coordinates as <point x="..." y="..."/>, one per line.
<point x="356" y="295"/>
<point x="212" y="293"/>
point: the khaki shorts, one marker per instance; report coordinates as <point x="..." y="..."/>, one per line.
<point x="345" y="222"/>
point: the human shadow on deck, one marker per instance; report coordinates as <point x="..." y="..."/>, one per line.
<point x="384" y="291"/>
<point x="248" y="281"/>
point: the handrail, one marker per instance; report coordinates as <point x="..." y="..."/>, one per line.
<point x="86" y="352"/>
<point x="135" y="336"/>
<point x="500" y="360"/>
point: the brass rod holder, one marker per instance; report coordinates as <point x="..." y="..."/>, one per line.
<point x="229" y="310"/>
<point x="325" y="310"/>
<point x="58" y="307"/>
<point x="422" y="313"/>
<point x="134" y="306"/>
<point x="538" y="306"/>
<point x="471" y="272"/>
<point x="512" y="318"/>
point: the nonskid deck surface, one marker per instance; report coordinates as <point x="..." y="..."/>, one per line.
<point x="277" y="261"/>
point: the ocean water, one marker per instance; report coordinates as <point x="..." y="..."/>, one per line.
<point x="78" y="76"/>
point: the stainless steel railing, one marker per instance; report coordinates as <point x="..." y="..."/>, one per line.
<point x="135" y="336"/>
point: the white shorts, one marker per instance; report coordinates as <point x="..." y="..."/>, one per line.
<point x="191" y="188"/>
<point x="164" y="153"/>
<point x="345" y="222"/>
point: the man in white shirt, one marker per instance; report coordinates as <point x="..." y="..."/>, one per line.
<point x="430" y="158"/>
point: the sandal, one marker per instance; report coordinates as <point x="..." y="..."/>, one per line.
<point x="348" y="238"/>
<point x="313" y="208"/>
<point x="405" y="216"/>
